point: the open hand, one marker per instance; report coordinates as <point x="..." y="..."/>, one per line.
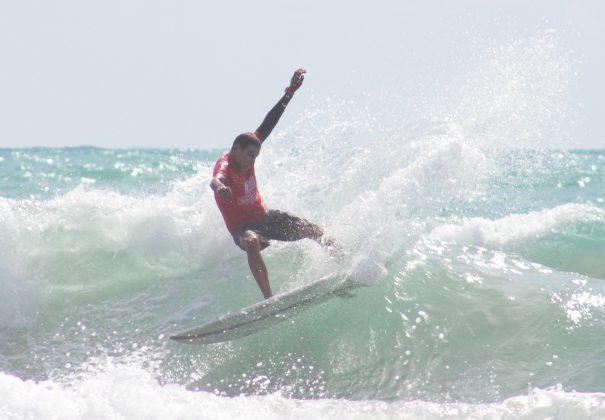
<point x="296" y="81"/>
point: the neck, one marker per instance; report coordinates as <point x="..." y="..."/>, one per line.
<point x="234" y="163"/>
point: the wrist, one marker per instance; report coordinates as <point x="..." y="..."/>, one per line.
<point x="216" y="185"/>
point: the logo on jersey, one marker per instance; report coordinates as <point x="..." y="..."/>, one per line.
<point x="249" y="192"/>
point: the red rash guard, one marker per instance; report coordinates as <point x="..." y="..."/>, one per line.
<point x="246" y="205"/>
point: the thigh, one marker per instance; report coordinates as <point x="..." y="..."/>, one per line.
<point x="283" y="226"/>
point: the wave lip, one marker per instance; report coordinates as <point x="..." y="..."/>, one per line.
<point x="516" y="230"/>
<point x="568" y="238"/>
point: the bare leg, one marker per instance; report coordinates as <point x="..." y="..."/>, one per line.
<point x="257" y="266"/>
<point x="312" y="231"/>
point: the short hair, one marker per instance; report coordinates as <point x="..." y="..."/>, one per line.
<point x="246" y="139"/>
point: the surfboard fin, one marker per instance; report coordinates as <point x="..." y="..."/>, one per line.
<point x="345" y="294"/>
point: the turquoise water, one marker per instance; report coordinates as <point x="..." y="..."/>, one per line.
<point x="484" y="256"/>
<point x="489" y="292"/>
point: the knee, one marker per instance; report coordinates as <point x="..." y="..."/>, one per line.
<point x="250" y="241"/>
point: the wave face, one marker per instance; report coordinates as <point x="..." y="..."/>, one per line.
<point x="484" y="257"/>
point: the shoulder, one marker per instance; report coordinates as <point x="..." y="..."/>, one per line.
<point x="222" y="165"/>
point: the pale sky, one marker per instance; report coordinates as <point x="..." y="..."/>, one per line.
<point x="193" y="74"/>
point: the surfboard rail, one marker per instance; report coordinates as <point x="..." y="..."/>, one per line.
<point x="269" y="312"/>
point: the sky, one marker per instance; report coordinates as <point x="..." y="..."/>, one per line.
<point x="193" y="74"/>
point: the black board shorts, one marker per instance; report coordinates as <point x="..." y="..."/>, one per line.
<point x="277" y="225"/>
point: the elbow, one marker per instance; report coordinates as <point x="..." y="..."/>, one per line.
<point x="261" y="136"/>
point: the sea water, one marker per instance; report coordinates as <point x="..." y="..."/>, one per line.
<point x="480" y="235"/>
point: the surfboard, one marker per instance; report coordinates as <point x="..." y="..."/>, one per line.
<point x="269" y="312"/>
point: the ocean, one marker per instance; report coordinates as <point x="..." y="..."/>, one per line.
<point x="484" y="257"/>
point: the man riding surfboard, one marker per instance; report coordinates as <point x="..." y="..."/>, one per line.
<point x="246" y="216"/>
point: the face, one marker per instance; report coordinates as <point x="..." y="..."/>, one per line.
<point x="245" y="158"/>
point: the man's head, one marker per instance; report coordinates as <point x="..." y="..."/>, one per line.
<point x="244" y="151"/>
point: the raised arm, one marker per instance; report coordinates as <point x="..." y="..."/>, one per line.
<point x="270" y="121"/>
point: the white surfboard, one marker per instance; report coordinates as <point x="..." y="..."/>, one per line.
<point x="269" y="312"/>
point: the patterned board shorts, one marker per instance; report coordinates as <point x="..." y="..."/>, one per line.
<point x="278" y="225"/>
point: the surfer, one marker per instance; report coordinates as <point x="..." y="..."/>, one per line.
<point x="248" y="220"/>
